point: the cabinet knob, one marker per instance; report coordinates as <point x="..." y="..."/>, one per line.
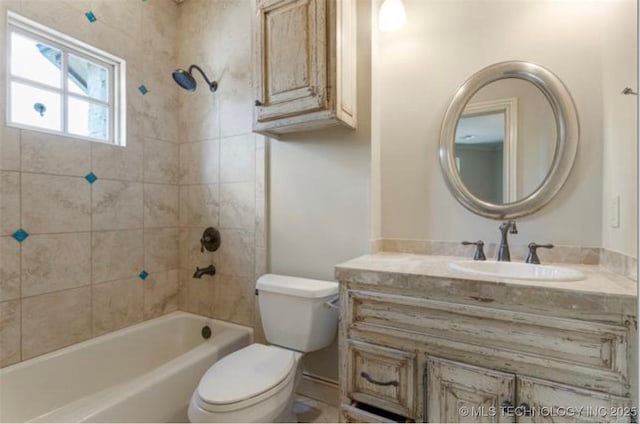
<point x="371" y="380"/>
<point x="507" y="408"/>
<point x="258" y="103"/>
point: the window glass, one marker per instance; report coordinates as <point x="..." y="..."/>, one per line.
<point x="59" y="84"/>
<point x="35" y="61"/>
<point x="87" y="78"/>
<point x="35" y="107"/>
<point x="87" y="119"/>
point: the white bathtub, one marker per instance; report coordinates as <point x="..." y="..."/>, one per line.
<point x="143" y="373"/>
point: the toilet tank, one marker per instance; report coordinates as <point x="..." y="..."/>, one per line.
<point x="295" y="313"/>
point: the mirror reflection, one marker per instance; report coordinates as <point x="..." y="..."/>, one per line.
<point x="505" y="141"/>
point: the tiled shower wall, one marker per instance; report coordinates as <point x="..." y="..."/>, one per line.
<point x="222" y="163"/>
<point x="77" y="274"/>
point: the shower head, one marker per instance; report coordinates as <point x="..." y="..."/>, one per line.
<point x="186" y="80"/>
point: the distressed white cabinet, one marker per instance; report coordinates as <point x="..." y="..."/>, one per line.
<point x="454" y="387"/>
<point x="425" y="353"/>
<point x="304" y="65"/>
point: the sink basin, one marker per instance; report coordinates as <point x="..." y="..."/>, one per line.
<point x="518" y="271"/>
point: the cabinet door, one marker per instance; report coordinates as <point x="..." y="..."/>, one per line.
<point x="291" y="58"/>
<point x="548" y="402"/>
<point x="458" y="392"/>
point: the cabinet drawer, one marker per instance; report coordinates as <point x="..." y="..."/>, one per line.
<point x="353" y="414"/>
<point x="382" y="377"/>
<point x="534" y="339"/>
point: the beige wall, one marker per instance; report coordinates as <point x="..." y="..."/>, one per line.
<point x="420" y="68"/>
<point x="76" y="275"/>
<point x="221" y="163"/>
<point x="620" y="53"/>
<point x="319" y="195"/>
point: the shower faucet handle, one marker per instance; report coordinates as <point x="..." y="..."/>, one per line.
<point x="478" y="254"/>
<point x="210" y="240"/>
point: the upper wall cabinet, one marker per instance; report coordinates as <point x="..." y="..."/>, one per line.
<point x="304" y="65"/>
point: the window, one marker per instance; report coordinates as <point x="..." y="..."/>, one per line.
<point x="57" y="84"/>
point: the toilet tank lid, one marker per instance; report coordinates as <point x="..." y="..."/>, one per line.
<point x="295" y="286"/>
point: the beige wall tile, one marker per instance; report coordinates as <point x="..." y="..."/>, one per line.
<point x="52" y="204"/>
<point x="196" y="295"/>
<point x="233" y="299"/>
<point x="161" y="161"/>
<point x="160" y="205"/>
<point x="118" y="162"/>
<point x="52" y="154"/>
<point x="123" y="16"/>
<point x="160" y="293"/>
<point x="9" y="148"/>
<point x="58" y="18"/>
<point x="9" y="332"/>
<point x="9" y="269"/>
<point x="53" y="262"/>
<point x="9" y="202"/>
<point x="160" y="34"/>
<point x="117" y="254"/>
<point x="237" y="253"/>
<point x="117" y="205"/>
<point x="159" y="105"/>
<point x="199" y="113"/>
<point x="117" y="304"/>
<point x="160" y="249"/>
<point x="237" y="159"/>
<point x="199" y="205"/>
<point x="199" y="162"/>
<point x="55" y="320"/>
<point x="237" y="206"/>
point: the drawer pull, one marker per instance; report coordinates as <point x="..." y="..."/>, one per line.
<point x="367" y="377"/>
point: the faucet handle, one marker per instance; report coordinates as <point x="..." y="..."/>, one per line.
<point x="478" y="254"/>
<point x="532" y="257"/>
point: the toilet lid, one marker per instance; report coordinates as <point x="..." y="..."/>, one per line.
<point x="245" y="373"/>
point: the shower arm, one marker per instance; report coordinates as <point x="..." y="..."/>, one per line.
<point x="213" y="85"/>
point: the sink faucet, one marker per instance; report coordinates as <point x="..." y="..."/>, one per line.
<point x="210" y="270"/>
<point x="505" y="229"/>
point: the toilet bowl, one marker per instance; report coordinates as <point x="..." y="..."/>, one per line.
<point x="258" y="383"/>
<point x="254" y="384"/>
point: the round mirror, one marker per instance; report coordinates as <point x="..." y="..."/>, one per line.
<point x="508" y="140"/>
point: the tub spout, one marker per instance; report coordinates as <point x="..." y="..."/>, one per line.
<point x="210" y="270"/>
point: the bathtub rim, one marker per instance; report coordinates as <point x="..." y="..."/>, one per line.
<point x="113" y="334"/>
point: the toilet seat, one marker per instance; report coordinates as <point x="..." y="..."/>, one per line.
<point x="246" y="377"/>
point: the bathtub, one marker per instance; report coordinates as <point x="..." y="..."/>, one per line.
<point x="143" y="373"/>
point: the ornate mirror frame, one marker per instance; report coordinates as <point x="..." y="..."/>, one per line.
<point x="568" y="134"/>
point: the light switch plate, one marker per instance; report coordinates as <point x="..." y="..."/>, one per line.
<point x="614" y="212"/>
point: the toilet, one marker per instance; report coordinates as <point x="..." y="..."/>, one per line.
<point x="258" y="383"/>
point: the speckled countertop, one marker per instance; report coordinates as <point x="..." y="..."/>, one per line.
<point x="380" y="268"/>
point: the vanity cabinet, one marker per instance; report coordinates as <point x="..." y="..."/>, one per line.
<point x="304" y="65"/>
<point x="411" y="354"/>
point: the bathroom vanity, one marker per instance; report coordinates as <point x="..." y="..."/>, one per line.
<point x="421" y="342"/>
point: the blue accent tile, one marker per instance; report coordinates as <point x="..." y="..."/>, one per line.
<point x="91" y="17"/>
<point x="143" y="89"/>
<point x="91" y="177"/>
<point x="143" y="275"/>
<point x="20" y="235"/>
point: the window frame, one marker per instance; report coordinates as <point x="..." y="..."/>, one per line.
<point x="116" y="69"/>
